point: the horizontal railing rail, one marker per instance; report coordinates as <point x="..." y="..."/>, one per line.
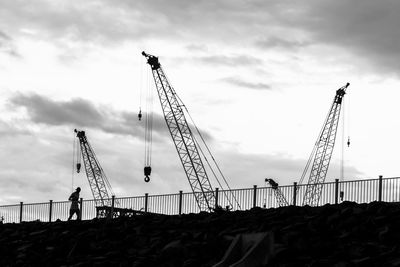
<point x="360" y="191"/>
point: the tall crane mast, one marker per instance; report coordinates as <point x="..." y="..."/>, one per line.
<point x="182" y="136"/>
<point x="97" y="179"/>
<point x="322" y="151"/>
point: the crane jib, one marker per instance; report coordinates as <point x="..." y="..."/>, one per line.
<point x="323" y="151"/>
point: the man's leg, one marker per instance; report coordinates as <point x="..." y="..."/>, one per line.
<point x="71" y="213"/>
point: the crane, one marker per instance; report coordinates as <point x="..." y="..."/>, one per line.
<point x="183" y="138"/>
<point x="98" y="181"/>
<point x="280" y="198"/>
<point x="101" y="188"/>
<point x="322" y="152"/>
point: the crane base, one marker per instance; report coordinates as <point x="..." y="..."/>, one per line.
<point x="107" y="211"/>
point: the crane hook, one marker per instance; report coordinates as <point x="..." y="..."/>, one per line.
<point x="78" y="167"/>
<point x="140" y="115"/>
<point x="147" y="172"/>
<point x="348" y="141"/>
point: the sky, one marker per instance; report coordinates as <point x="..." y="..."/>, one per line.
<point x="258" y="77"/>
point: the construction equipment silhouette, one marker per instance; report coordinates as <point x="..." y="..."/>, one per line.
<point x="320" y="155"/>
<point x="189" y="151"/>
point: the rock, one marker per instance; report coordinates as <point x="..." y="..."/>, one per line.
<point x="347" y="234"/>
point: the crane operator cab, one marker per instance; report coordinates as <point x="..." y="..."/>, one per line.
<point x="147" y="172"/>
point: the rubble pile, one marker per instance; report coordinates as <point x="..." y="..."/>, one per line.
<point x="347" y="234"/>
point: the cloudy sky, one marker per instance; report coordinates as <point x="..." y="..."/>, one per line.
<point x="258" y="77"/>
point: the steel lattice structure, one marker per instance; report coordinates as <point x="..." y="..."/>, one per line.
<point x="182" y="136"/>
<point x="95" y="174"/>
<point x="323" y="151"/>
<point x="280" y="198"/>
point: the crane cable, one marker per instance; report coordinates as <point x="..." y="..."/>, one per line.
<point x="73" y="163"/>
<point x="211" y="155"/>
<point x="343" y="142"/>
<point x="105" y="179"/>
<point x="140" y="88"/>
<point x="312" y="155"/>
<point x="148" y="128"/>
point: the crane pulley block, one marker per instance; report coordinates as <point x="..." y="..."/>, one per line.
<point x="140" y="115"/>
<point x="78" y="168"/>
<point x="147" y="172"/>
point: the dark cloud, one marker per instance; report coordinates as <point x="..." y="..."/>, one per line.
<point x="244" y="84"/>
<point x="367" y="29"/>
<point x="4" y="36"/>
<point x="7" y="46"/>
<point x="83" y="113"/>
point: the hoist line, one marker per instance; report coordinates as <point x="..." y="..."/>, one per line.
<point x="315" y="147"/>
<point x="343" y="142"/>
<point x="107" y="182"/>
<point x="151" y="120"/>
<point x="148" y="122"/>
<point x="212" y="157"/>
<point x="212" y="170"/>
<point x="73" y="163"/>
<point x="141" y="83"/>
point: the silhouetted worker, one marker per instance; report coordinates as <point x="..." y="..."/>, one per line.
<point x="74" y="209"/>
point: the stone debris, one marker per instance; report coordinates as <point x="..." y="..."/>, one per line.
<point x="347" y="234"/>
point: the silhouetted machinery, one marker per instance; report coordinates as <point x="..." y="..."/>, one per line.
<point x="183" y="138"/>
<point x="280" y="198"/>
<point x="320" y="156"/>
<point x="99" y="184"/>
<point x="322" y="152"/>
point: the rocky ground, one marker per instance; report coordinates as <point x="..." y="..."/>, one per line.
<point x="347" y="234"/>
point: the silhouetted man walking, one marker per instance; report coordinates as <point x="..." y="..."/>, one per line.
<point x="74" y="209"/>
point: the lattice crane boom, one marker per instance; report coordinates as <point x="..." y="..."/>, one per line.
<point x="322" y="152"/>
<point x="98" y="182"/>
<point x="181" y="134"/>
<point x="280" y="198"/>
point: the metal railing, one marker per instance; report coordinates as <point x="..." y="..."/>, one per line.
<point x="360" y="191"/>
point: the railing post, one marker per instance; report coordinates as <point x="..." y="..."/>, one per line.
<point x="50" y="209"/>
<point x="180" y="201"/>
<point x="81" y="208"/>
<point x="112" y="207"/>
<point x="146" y="201"/>
<point x="216" y="197"/>
<point x="336" y="191"/>
<point x="21" y="205"/>
<point x="380" y="188"/>
<point x="254" y="196"/>
<point x="294" y="193"/>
